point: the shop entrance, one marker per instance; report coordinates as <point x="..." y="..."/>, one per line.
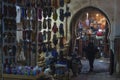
<point x="91" y="24"/>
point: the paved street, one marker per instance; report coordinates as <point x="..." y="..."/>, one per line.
<point x="100" y="72"/>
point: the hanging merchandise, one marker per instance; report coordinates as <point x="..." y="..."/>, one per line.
<point x="28" y="11"/>
<point x="33" y="25"/>
<point x="87" y="22"/>
<point x="45" y="3"/>
<point x="61" y="43"/>
<point x="55" y="39"/>
<point x="33" y="48"/>
<point x="54" y="53"/>
<point x="5" y="10"/>
<point x="40" y="25"/>
<point x="67" y="13"/>
<point x="27" y="3"/>
<point x="49" y="23"/>
<point x="5" y="49"/>
<point x="34" y="14"/>
<point x="99" y="33"/>
<point x="45" y="12"/>
<point x="61" y="15"/>
<point x="18" y="17"/>
<point x="44" y="35"/>
<point x="67" y="1"/>
<point x="14" y="49"/>
<point x="12" y="2"/>
<point x="21" y="56"/>
<point x="55" y="15"/>
<point x="24" y="23"/>
<point x="33" y="36"/>
<point x="61" y="3"/>
<point x="54" y="28"/>
<point x="40" y="3"/>
<point x="23" y="13"/>
<point x="49" y="10"/>
<point x="61" y="29"/>
<point x="39" y="48"/>
<point x="44" y="48"/>
<point x="24" y="34"/>
<point x="48" y="2"/>
<point x="49" y="47"/>
<point x="11" y="11"/>
<point x="39" y="13"/>
<point x="49" y="35"/>
<point x="40" y="38"/>
<point x="44" y="24"/>
<point x="55" y="4"/>
<point x="29" y="34"/>
<point x="32" y="3"/>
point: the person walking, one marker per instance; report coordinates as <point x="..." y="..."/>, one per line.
<point x="91" y="51"/>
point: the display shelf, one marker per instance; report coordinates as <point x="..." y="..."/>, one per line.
<point x="28" y="30"/>
<point x="8" y="33"/>
<point x="21" y="77"/>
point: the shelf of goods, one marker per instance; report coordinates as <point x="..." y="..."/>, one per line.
<point x="21" y="77"/>
<point x="8" y="31"/>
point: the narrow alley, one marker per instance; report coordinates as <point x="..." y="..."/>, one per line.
<point x="101" y="71"/>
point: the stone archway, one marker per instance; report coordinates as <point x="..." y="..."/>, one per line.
<point x="74" y="21"/>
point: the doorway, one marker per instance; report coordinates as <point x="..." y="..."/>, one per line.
<point x="91" y="24"/>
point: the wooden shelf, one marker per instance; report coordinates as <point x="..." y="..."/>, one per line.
<point x="20" y="77"/>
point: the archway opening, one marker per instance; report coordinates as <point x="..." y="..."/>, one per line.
<point x="90" y="24"/>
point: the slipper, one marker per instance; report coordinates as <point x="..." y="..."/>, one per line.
<point x="49" y="11"/>
<point x="55" y="39"/>
<point x="55" y="15"/>
<point x="61" y="17"/>
<point x="39" y="13"/>
<point x="44" y="24"/>
<point x="49" y="23"/>
<point x="49" y="35"/>
<point x="40" y="25"/>
<point x="54" y="28"/>
<point x="61" y="29"/>
<point x="44" y="35"/>
<point x="61" y="3"/>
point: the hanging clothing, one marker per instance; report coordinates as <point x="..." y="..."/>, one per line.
<point x="18" y="17"/>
